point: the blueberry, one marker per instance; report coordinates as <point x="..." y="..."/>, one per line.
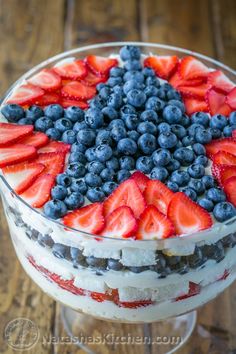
<point x="114" y="264"/>
<point x="178" y="104"/>
<point x="74" y="113"/>
<point x="55" y="209"/>
<point x="148" y="72"/>
<point x="25" y="121"/>
<point x="63" y="180"/>
<point x="96" y="103"/>
<point x="172" y="114"/>
<point x="193" y="129"/>
<point x="95" y="195"/>
<point x="105" y="92"/>
<point x="201" y="160"/>
<point x="133" y="134"/>
<point x="109" y="113"/>
<point x="113" y="81"/>
<point x="77" y="157"/>
<point x="93" y="180"/>
<point x="159" y="173"/>
<point x="79" y="126"/>
<point x="196" y="170"/>
<point x="86" y="137"/>
<point x="42" y="124"/>
<point x="130" y="52"/>
<point x="224" y="211"/>
<point x="215" y="251"/>
<point x="113" y="164"/>
<point x="78" y="185"/>
<point x="74" y="201"/>
<point x="13" y="112"/>
<point x="76" y="170"/>
<point x="167" y="140"/>
<point x="90" y="154"/>
<point x="104" y="152"/>
<point x="154" y="103"/>
<point x="164" y="128"/>
<point x="127" y="109"/>
<point x="184" y="155"/>
<point x="59" y="250"/>
<point x="208" y="182"/>
<point x="45" y="241"/>
<point x="150" y="91"/>
<point x="173" y="186"/>
<point x="161" y="157"/>
<point x="77" y="257"/>
<point x="218" y="121"/>
<point x="232" y="118"/>
<point x="59" y="192"/>
<point x="161" y="93"/>
<point x="147" y="127"/>
<point x="96" y="262"/>
<point x="94" y="118"/>
<point x="190" y="193"/>
<point x="149" y="115"/>
<point x="173" y="165"/>
<point x="69" y="137"/>
<point x="118" y="133"/>
<point x="34" y="112"/>
<point x="216" y="195"/>
<point x="131" y="85"/>
<point x="185" y="121"/>
<point x="115" y="100"/>
<point x="133" y="65"/>
<point x="63" y="124"/>
<point x="196" y="259"/>
<point x="178" y="130"/>
<point x="228" y="130"/>
<point x="200" y="118"/>
<point x="116" y="71"/>
<point x="122" y="175"/>
<point x="131" y="121"/>
<point x="173" y="95"/>
<point x="144" y="164"/>
<point x="107" y="174"/>
<point x="203" y="136"/>
<point x="197" y="185"/>
<point x="147" y="143"/>
<point x="136" y="98"/>
<point x="100" y="86"/>
<point x="103" y="137"/>
<point x="134" y="75"/>
<point x="199" y="149"/>
<point x="116" y="123"/>
<point x="216" y="133"/>
<point x="109" y="187"/>
<point x="152" y="81"/>
<point x="53" y="133"/>
<point x="206" y="204"/>
<point x="188" y="140"/>
<point x="180" y="177"/>
<point x="127" y="163"/>
<point x="127" y="146"/>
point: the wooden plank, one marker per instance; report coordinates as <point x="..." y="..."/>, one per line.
<point x="179" y="23"/>
<point x="30" y="31"/>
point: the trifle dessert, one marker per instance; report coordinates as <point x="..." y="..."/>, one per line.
<point x="118" y="178"/>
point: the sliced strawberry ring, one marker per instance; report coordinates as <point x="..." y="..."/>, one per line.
<point x="73" y="70"/>
<point x="230" y="190"/>
<point x="226" y="144"/>
<point x="68" y="103"/>
<point x="224" y="158"/>
<point x="55" y="146"/>
<point x="16" y="153"/>
<point x="193" y="105"/>
<point x="192" y="68"/>
<point x="224" y="172"/>
<point x="92" y="80"/>
<point x="164" y="66"/>
<point x="141" y="179"/>
<point x="176" y="80"/>
<point x="36" y="139"/>
<point x="46" y="79"/>
<point x="194" y="91"/>
<point x="48" y="98"/>
<point x="25" y="94"/>
<point x="53" y="162"/>
<point x="231" y="98"/>
<point x="216" y="103"/>
<point x="100" y="65"/>
<point x="78" y="91"/>
<point x="10" y="133"/>
<point x="220" y="82"/>
<point x="157" y="194"/>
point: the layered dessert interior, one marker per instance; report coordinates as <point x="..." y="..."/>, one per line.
<point x="118" y="176"/>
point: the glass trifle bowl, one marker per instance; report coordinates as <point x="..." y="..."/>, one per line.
<point x="151" y="287"/>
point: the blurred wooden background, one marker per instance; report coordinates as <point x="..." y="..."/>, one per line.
<point x="33" y="30"/>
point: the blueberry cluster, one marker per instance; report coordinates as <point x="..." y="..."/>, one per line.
<point x="164" y="266"/>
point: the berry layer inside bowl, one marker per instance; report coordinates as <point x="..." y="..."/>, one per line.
<point x="131" y="147"/>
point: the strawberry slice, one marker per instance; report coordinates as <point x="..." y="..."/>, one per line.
<point x="231" y="99"/>
<point x="157" y="194"/>
<point x="230" y="190"/>
<point x="68" y="103"/>
<point x="127" y="193"/>
<point x="216" y="103"/>
<point x="234" y="134"/>
<point x="39" y="192"/>
<point x="176" y="80"/>
<point x="134" y="304"/>
<point x="89" y="218"/>
<point x="73" y="70"/>
<point x="55" y="146"/>
<point x="53" y="162"/>
<point x="36" y="139"/>
<point x="21" y="176"/>
<point x="194" y="91"/>
<point x="154" y="225"/>
<point x="226" y="144"/>
<point x="10" y="133"/>
<point x="224" y="158"/>
<point x="225" y="172"/>
<point x="92" y="80"/>
<point x="16" y="153"/>
<point x="100" y="65"/>
<point x="46" y="79"/>
<point x="187" y="216"/>
<point x="120" y="223"/>
<point x="78" y="91"/>
<point x="48" y="98"/>
<point x="216" y="171"/>
<point x="194" y="289"/>
<point x="25" y="94"/>
<point x="164" y="66"/>
<point x="193" y="105"/>
<point x="192" y="68"/>
<point x="141" y="179"/>
<point x="220" y="82"/>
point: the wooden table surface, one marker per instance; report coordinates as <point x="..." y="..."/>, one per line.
<point x="33" y="30"/>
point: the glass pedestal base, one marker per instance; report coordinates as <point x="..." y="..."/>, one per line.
<point x="99" y="336"/>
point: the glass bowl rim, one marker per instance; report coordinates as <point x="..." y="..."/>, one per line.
<point x="62" y="55"/>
